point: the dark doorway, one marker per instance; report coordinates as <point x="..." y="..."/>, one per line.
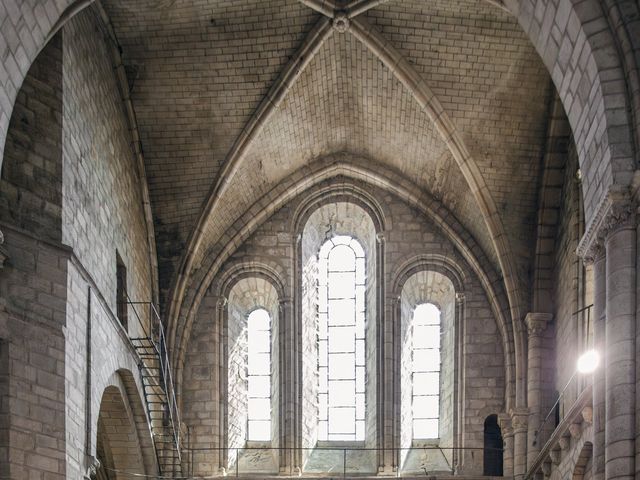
<point x="492" y="447"/>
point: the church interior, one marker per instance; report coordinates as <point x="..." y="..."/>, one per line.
<point x="319" y="238"/>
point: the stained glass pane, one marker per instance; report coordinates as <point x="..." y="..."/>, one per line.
<point x="259" y="430"/>
<point x="342" y="366"/>
<point x="342" y="393"/>
<point x="425" y="428"/>
<point x="426" y="336"/>
<point x="426" y="406"/>
<point x="426" y="360"/>
<point x="259" y="364"/>
<point x="337" y="384"/>
<point x="426" y="383"/>
<point x="342" y="259"/>
<point x="259" y="379"/>
<point x="260" y="408"/>
<point x="259" y="386"/>
<point x="342" y="312"/>
<point x="342" y="284"/>
<point x="342" y="420"/>
<point x="259" y="342"/>
<point x="341" y="339"/>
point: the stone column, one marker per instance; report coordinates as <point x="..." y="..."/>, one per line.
<point x="599" y="342"/>
<point x="459" y="385"/>
<point x="220" y="324"/>
<point x="536" y="354"/>
<point x="287" y="361"/>
<point x="504" y="420"/>
<point x="519" y="417"/>
<point x="620" y="244"/>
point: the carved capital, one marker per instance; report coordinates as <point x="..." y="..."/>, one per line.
<point x="587" y="414"/>
<point x="537" y="322"/>
<point x="615" y="212"/>
<point x="519" y="418"/>
<point x="221" y="303"/>
<point x="504" y="421"/>
<point x="460" y="297"/>
<point x="575" y="430"/>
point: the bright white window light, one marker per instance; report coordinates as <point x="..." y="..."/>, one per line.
<point x="341" y="340"/>
<point x="426" y="371"/>
<point x="588" y="362"/>
<point x="259" y="379"/>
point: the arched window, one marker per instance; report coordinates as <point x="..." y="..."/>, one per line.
<point x="341" y="340"/>
<point x="259" y="376"/>
<point x="425" y="382"/>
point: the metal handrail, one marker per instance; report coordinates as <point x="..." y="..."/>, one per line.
<point x="297" y="472"/>
<point x="160" y="346"/>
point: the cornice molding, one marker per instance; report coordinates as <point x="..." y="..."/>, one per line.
<point x="616" y="211"/>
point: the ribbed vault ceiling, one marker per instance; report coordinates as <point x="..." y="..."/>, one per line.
<point x="199" y="70"/>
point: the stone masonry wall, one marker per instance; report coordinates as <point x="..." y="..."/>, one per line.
<point x="567" y="287"/>
<point x="102" y="198"/>
<point x="407" y="234"/>
<point x="31" y="181"/>
<point x="70" y="197"/>
<point x="102" y="213"/>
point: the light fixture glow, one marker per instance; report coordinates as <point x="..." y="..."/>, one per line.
<point x="588" y="362"/>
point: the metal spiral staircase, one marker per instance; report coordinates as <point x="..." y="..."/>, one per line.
<point x="159" y="391"/>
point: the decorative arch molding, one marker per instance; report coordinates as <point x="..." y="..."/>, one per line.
<point x="247" y="269"/>
<point x="353" y="168"/>
<point x="434" y="262"/>
<point x="337" y="193"/>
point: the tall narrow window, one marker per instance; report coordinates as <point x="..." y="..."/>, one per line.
<point x="426" y="371"/>
<point x="341" y="340"/>
<point x="259" y="376"/>
<point x="121" y="292"/>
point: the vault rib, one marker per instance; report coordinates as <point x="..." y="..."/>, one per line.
<point x="305" y="54"/>
<point x="413" y="81"/>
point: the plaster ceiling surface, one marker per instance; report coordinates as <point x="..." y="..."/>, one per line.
<point x="199" y="70"/>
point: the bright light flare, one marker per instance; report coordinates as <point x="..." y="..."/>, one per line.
<point x="588" y="362"/>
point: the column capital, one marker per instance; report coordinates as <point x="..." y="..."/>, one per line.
<point x="616" y="211"/>
<point x="221" y="302"/>
<point x="460" y="297"/>
<point x="519" y="418"/>
<point x="537" y="322"/>
<point x="504" y="421"/>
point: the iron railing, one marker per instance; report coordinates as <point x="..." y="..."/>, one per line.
<point x="345" y="461"/>
<point x="153" y="333"/>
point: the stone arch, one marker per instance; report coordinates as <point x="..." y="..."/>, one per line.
<point x="334" y="194"/>
<point x="352" y="168"/>
<point x="421" y="282"/>
<point x="204" y="378"/>
<point x="118" y="446"/>
<point x="589" y="70"/>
